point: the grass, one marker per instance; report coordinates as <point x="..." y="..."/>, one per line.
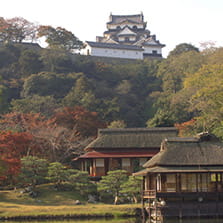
<point x="55" y="203"/>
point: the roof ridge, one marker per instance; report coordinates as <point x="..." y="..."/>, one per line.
<point x="181" y="139"/>
<point x="154" y="129"/>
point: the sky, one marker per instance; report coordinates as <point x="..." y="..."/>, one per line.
<point x="172" y="21"/>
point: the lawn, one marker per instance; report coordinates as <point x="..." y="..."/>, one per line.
<point x="50" y="202"/>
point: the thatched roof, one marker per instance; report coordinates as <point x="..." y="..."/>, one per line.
<point x="185" y="152"/>
<point x="131" y="138"/>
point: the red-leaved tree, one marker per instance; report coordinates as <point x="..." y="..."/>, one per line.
<point x="13" y="146"/>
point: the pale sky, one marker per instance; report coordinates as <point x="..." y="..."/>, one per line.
<point x="173" y="21"/>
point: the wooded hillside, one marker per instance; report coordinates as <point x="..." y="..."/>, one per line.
<point x="52" y="102"/>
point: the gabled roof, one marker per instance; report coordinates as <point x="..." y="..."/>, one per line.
<point x="149" y="42"/>
<point x="126" y="31"/>
<point x="114" y="46"/>
<point x="185" y="152"/>
<point x="131" y="138"/>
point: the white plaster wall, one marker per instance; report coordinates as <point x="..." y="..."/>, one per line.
<point x="119" y="53"/>
<point x="131" y="38"/>
<point x="86" y="51"/>
<point x="149" y="49"/>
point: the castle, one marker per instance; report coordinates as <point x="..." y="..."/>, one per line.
<point x="126" y="37"/>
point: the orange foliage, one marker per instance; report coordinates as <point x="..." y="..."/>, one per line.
<point x="24" y="122"/>
<point x="186" y="128"/>
<point x="13" y="146"/>
<point x="84" y="122"/>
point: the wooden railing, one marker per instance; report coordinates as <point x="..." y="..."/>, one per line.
<point x="149" y="194"/>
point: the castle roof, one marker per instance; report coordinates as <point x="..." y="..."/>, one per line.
<point x="118" y="19"/>
<point x="114" y="46"/>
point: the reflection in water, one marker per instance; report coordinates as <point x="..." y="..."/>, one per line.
<point x="130" y="220"/>
<point x="192" y="220"/>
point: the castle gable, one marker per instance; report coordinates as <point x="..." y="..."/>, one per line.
<point x="126" y="31"/>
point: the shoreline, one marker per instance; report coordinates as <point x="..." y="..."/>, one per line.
<point x="70" y="216"/>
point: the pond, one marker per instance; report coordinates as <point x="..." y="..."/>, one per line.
<point x="128" y="220"/>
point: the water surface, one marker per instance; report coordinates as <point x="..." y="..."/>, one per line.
<point x="129" y="220"/>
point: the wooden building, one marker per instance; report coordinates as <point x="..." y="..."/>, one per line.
<point x="126" y="149"/>
<point x="185" y="178"/>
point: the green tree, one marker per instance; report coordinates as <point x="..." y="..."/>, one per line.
<point x="3" y="98"/>
<point x="47" y="83"/>
<point x="81" y="182"/>
<point x="133" y="188"/>
<point x="30" y="62"/>
<point x="59" y="38"/>
<point x="117" y="124"/>
<point x="35" y="104"/>
<point x="57" y="60"/>
<point x="173" y="71"/>
<point x="81" y="94"/>
<point x="206" y="90"/>
<point x="57" y="173"/>
<point x="182" y="48"/>
<point x="112" y="182"/>
<point x="33" y="170"/>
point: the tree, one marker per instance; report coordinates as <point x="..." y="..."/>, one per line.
<point x="4" y="97"/>
<point x="30" y="62"/>
<point x="17" y="29"/>
<point x="81" y="94"/>
<point x="51" y="141"/>
<point x="84" y="122"/>
<point x="33" y="171"/>
<point x="133" y="188"/>
<point x="13" y="146"/>
<point x="112" y="182"/>
<point x="117" y="124"/>
<point x="206" y="89"/>
<point x="47" y="84"/>
<point x="35" y="104"/>
<point x="182" y="48"/>
<point x="81" y="182"/>
<point x="57" y="173"/>
<point x="57" y="60"/>
<point x="173" y="71"/>
<point x="59" y="38"/>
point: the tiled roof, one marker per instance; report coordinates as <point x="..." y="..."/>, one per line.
<point x="114" y="46"/>
<point x="132" y="138"/>
<point x="188" y="152"/>
<point x="116" y="19"/>
<point x="137" y="153"/>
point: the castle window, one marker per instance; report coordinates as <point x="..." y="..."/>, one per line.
<point x="134" y="27"/>
<point x="154" y="51"/>
<point x="126" y="39"/>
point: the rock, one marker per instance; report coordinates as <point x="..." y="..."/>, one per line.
<point x="91" y="199"/>
<point x="77" y="202"/>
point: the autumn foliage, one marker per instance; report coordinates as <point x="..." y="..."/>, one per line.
<point x="13" y="146"/>
<point x="85" y="123"/>
<point x="58" y="138"/>
<point x="186" y="128"/>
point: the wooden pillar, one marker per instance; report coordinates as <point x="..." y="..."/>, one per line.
<point x="142" y="199"/>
